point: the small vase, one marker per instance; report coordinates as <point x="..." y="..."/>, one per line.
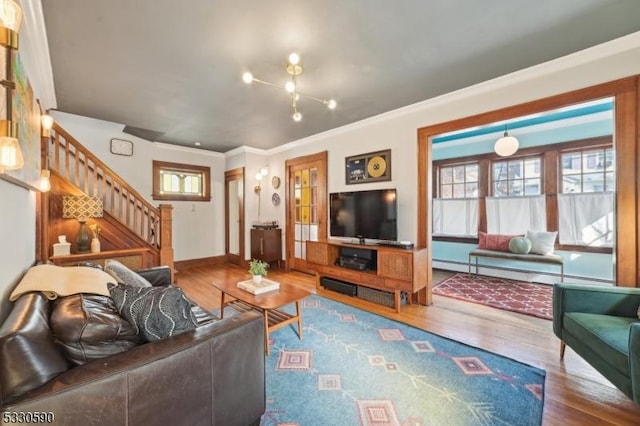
<point x="257" y="279"/>
<point x="95" y="245"/>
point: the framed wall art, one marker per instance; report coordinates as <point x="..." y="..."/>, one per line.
<point x="369" y="167"/>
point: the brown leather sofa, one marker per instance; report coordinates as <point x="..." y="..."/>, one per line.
<point x="213" y="375"/>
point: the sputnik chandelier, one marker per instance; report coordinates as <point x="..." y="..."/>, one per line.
<point x="294" y="68"/>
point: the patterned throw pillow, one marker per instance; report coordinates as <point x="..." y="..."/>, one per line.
<point x="495" y="242"/>
<point x="154" y="312"/>
<point x="124" y="275"/>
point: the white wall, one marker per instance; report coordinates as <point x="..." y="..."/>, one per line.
<point x="198" y="227"/>
<point x="18" y="236"/>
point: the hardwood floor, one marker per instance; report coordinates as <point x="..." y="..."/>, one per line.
<point x="575" y="394"/>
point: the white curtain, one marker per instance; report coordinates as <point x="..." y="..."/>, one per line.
<point x="586" y="219"/>
<point x="455" y="216"/>
<point x="516" y="215"/>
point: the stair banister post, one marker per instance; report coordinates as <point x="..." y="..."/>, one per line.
<point x="166" y="239"/>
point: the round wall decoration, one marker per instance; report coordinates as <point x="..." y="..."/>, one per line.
<point x="376" y="166"/>
<point x="275" y="182"/>
<point x="275" y="199"/>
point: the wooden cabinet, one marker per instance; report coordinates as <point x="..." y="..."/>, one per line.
<point x="396" y="269"/>
<point x="266" y="245"/>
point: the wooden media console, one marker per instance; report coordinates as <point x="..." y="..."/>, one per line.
<point x="393" y="270"/>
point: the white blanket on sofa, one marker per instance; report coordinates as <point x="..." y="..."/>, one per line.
<point x="56" y="281"/>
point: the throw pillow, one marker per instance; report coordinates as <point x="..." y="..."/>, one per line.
<point x="542" y="242"/>
<point x="154" y="312"/>
<point x="124" y="275"/>
<point x="30" y="357"/>
<point x="494" y="241"/>
<point x="88" y="327"/>
<point x="520" y="245"/>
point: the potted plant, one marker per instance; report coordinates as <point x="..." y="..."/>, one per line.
<point x="258" y="269"/>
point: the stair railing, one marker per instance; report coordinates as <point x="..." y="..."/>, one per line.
<point x="71" y="160"/>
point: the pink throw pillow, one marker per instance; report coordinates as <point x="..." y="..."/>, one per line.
<point x="495" y="242"/>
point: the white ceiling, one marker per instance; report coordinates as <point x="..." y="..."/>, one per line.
<point x="173" y="69"/>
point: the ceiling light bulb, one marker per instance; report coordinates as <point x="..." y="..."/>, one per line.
<point x="297" y="116"/>
<point x="331" y="104"/>
<point x="290" y="87"/>
<point x="294" y="59"/>
<point x="247" y="77"/>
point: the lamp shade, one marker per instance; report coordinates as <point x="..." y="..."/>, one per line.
<point x="81" y="207"/>
<point x="506" y="145"/>
<point x="10" y="15"/>
<point x="45" y="180"/>
<point x="10" y="154"/>
<point x="10" y="19"/>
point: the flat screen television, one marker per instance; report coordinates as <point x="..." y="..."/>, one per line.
<point x="369" y="214"/>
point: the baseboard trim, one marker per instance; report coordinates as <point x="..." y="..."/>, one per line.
<point x="193" y="263"/>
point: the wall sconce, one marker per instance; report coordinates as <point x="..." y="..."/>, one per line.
<point x="80" y="208"/>
<point x="45" y="181"/>
<point x="47" y="124"/>
<point x="259" y="176"/>
<point x="10" y="152"/>
<point x="264" y="171"/>
<point x="10" y="20"/>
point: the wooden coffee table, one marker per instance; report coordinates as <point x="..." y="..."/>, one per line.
<point x="268" y="304"/>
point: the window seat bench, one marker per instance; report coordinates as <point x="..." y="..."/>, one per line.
<point x="550" y="259"/>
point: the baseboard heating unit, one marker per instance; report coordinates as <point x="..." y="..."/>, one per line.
<point x="338" y="286"/>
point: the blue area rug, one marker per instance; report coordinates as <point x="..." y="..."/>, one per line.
<point x="357" y="368"/>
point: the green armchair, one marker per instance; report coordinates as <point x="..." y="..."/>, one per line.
<point x="601" y="325"/>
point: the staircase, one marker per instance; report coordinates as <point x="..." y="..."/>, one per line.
<point x="129" y="220"/>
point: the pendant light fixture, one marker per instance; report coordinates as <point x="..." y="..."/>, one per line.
<point x="294" y="69"/>
<point x="506" y="145"/>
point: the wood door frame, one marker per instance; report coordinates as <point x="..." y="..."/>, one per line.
<point x="626" y="143"/>
<point x="233" y="175"/>
<point x="322" y="212"/>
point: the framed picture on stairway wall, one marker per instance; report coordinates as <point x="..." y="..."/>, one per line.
<point x="369" y="167"/>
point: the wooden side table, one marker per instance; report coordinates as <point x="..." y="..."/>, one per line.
<point x="131" y="258"/>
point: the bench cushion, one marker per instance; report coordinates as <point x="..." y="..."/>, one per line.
<point x="547" y="258"/>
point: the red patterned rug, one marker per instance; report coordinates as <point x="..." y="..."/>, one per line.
<point x="516" y="296"/>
